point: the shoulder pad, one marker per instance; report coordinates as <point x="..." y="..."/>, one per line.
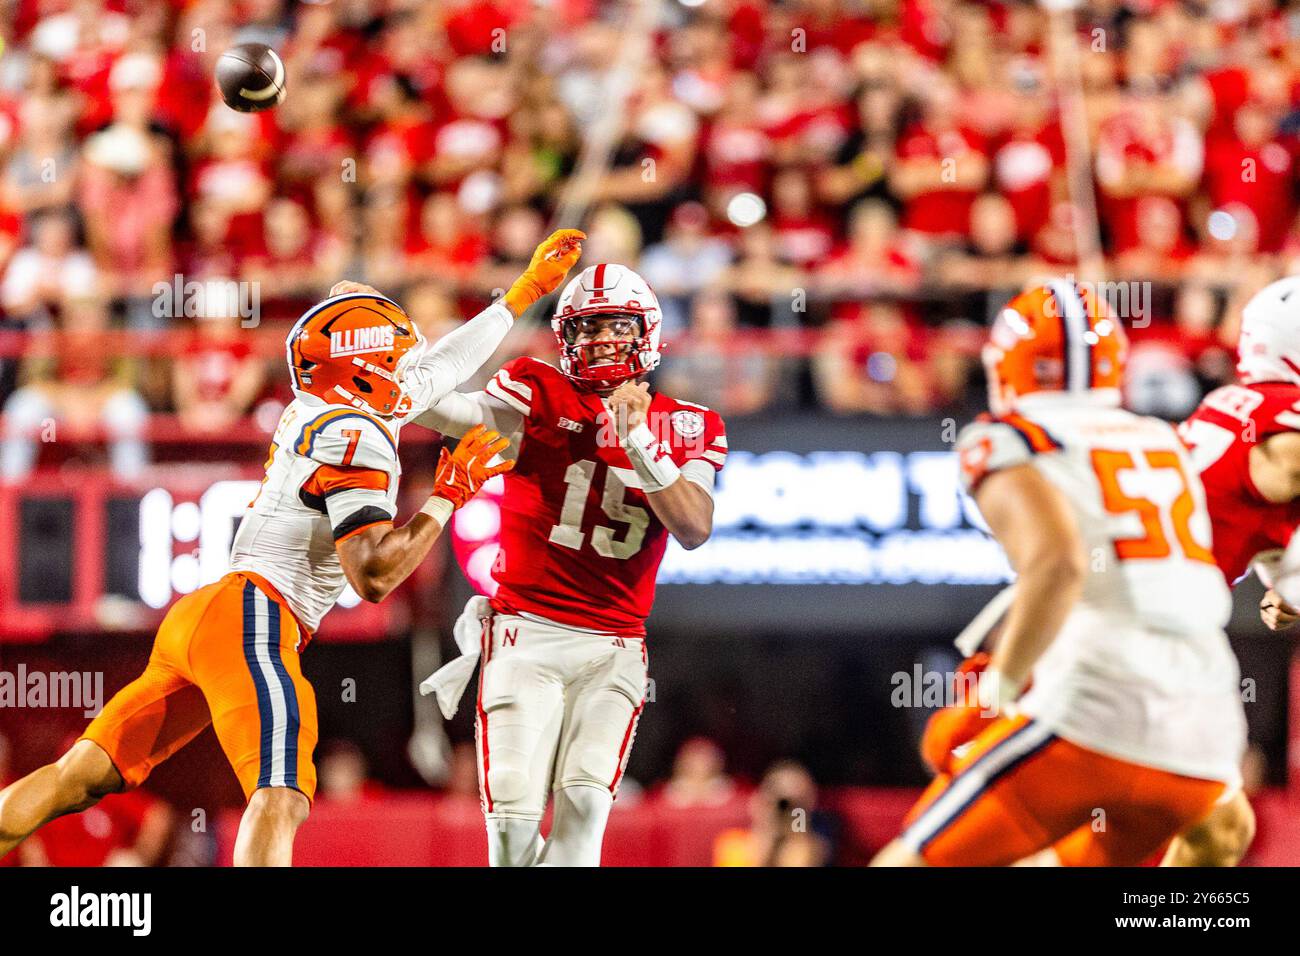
<point x="517" y="383"/>
<point x="347" y="437"/>
<point x="992" y="444"/>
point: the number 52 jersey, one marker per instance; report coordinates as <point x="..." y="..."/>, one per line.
<point x="1141" y="669"/>
<point x="580" y="544"/>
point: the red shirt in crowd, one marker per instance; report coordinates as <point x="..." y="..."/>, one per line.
<point x="89" y="837"/>
<point x="940" y="211"/>
<point x="1258" y="178"/>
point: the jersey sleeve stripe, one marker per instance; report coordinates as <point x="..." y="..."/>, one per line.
<point x="717" y="457"/>
<point x="312" y="429"/>
<point x="327" y="480"/>
<point x="359" y="521"/>
<point x="1035" y="436"/>
<point x="494" y="389"/>
<point x="519" y="388"/>
<point x="720" y="441"/>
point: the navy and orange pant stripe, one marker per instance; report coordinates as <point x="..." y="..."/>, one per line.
<point x="226" y="655"/>
<point x="1020" y="788"/>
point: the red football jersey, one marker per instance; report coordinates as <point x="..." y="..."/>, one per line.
<point x="1220" y="434"/>
<point x="580" y="544"/>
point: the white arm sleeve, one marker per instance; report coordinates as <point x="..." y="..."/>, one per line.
<point x="457" y="355"/>
<point x="457" y="412"/>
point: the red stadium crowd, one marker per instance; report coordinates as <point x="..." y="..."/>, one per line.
<point x="830" y="196"/>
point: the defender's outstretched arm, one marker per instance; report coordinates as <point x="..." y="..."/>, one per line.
<point x="380" y="556"/>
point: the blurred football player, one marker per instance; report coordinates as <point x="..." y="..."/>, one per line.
<point x="227" y="654"/>
<point x="1133" y="724"/>
<point x="1244" y="440"/>
<point x="604" y="471"/>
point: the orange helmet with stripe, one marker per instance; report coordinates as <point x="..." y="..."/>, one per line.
<point x="1057" y="337"/>
<point x="353" y="349"/>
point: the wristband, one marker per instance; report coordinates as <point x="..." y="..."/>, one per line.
<point x="439" y="509"/>
<point x="650" y="459"/>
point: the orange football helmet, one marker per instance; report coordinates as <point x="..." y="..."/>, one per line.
<point x="353" y="349"/>
<point x="1056" y="337"/>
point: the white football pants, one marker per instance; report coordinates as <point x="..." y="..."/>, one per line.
<point x="557" y="711"/>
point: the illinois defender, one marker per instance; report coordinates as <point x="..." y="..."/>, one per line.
<point x="227" y="654"/>
<point x="1244" y="439"/>
<point x="605" y="471"/>
<point x="1118" y="615"/>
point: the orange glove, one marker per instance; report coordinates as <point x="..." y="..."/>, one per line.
<point x="550" y="264"/>
<point x="461" y="473"/>
<point x="951" y="727"/>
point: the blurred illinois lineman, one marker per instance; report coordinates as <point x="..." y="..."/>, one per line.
<point x="1134" y="709"/>
<point x="227" y="654"/>
<point x="1244" y="440"/>
<point x="605" y="471"/>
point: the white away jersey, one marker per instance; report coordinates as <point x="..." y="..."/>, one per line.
<point x="333" y="471"/>
<point x="1142" y="669"/>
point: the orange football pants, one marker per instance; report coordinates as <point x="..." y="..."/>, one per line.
<point x="1020" y="788"/>
<point x="226" y="655"/>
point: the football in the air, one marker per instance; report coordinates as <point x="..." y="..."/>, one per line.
<point x="251" y="77"/>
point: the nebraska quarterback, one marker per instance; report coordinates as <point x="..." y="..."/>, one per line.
<point x="604" y="472"/>
<point x="227" y="654"/>
<point x="1118" y="616"/>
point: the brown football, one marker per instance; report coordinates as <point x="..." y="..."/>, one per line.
<point x="251" y="77"/>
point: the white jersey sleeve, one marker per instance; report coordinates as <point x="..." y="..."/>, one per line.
<point x="986" y="446"/>
<point x="356" y="470"/>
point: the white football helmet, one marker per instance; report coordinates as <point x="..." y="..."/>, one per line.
<point x="1269" y="347"/>
<point x="607" y="289"/>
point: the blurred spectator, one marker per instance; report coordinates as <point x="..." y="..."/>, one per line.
<point x="873" y="363"/>
<point x="217" y="376"/>
<point x="1254" y="168"/>
<point x="1159" y="249"/>
<point x="295" y="262"/>
<point x="766" y="289"/>
<point x="688" y="260"/>
<point x="133" y="828"/>
<point x="1146" y="152"/>
<point x="875" y="262"/>
<point x="863" y="159"/>
<point x="1028" y="165"/>
<point x="68" y="394"/>
<point x="42" y="171"/>
<point x="343" y="774"/>
<point x="123" y="829"/>
<point x="940" y="167"/>
<point x="804" y="233"/>
<point x="787" y="829"/>
<point x="713" y="366"/>
<point x="699" y="776"/>
<point x="43" y="275"/>
<point x="128" y="198"/>
<point x="992" y="258"/>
